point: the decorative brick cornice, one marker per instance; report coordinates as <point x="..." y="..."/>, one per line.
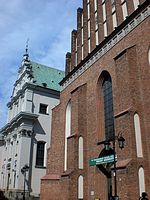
<point x="51" y="177"/>
<point x="118" y="34"/>
<point x="67" y="173"/>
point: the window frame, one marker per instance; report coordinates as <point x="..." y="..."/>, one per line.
<point x="41" y="109"/>
<point x="40" y="157"/>
<point x="108" y="107"/>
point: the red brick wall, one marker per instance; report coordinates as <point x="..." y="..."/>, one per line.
<point x="127" y="63"/>
<point x="119" y="16"/>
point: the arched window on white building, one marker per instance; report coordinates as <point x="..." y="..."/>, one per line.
<point x="137" y="128"/>
<point x="67" y="131"/>
<point x="80" y="187"/>
<point x="80" y="153"/>
<point x="141" y="180"/>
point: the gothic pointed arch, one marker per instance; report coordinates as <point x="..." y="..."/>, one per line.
<point x="138" y="136"/>
<point x="105" y="104"/>
<point x="80" y="187"/>
<point x="67" y="131"/>
<point x="141" y="180"/>
<point x="80" y="153"/>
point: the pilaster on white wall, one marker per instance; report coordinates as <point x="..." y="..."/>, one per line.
<point x="19" y="104"/>
<point x="23" y="158"/>
<point x="9" y="115"/>
<point x="23" y="104"/>
<point x="141" y="180"/>
<point x="14" y="109"/>
<point x="9" y="150"/>
<point x="137" y="127"/>
<point x="28" y="100"/>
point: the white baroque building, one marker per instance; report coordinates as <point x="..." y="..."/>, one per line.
<point x="25" y="138"/>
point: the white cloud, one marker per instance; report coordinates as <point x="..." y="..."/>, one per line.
<point x="47" y="24"/>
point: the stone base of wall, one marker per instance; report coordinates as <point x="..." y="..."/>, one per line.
<point x="18" y="195"/>
<point x="54" y="187"/>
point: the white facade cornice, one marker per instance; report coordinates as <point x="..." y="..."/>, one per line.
<point x="32" y="86"/>
<point x="16" y="120"/>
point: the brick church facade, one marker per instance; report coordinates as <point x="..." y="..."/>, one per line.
<point x="106" y="92"/>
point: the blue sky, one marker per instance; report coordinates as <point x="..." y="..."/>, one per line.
<point x="47" y="24"/>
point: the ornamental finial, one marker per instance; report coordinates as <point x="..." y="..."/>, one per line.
<point x="27" y="44"/>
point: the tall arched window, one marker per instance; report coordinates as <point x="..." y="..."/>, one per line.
<point x="67" y="131"/>
<point x="80" y="153"/>
<point x="108" y="106"/>
<point x="141" y="180"/>
<point x="137" y="128"/>
<point x="80" y="187"/>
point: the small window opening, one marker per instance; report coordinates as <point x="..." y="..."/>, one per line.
<point x="43" y="108"/>
<point x="40" y="154"/>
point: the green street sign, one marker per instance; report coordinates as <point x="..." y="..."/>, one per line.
<point x="102" y="160"/>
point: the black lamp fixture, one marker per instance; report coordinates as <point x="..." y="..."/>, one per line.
<point x="121" y="142"/>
